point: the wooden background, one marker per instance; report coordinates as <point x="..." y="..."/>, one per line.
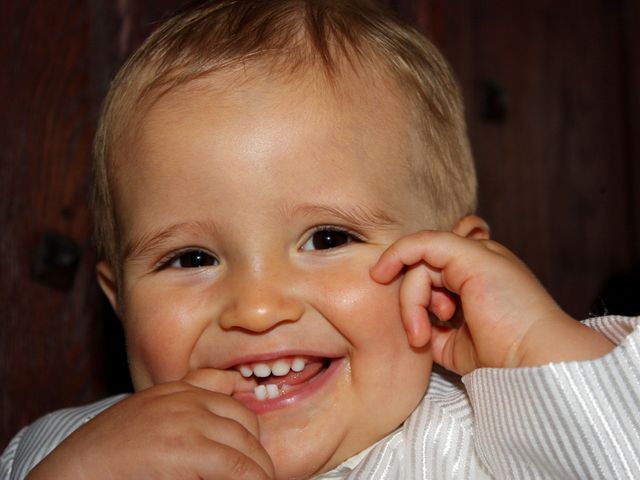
<point x="554" y="118"/>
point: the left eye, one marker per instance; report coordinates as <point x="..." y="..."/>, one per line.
<point x="193" y="259"/>
<point x="327" y="238"/>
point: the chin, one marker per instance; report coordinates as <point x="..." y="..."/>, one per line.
<point x="298" y="456"/>
<point x="294" y="467"/>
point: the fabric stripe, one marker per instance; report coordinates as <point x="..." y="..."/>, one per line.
<point x="592" y="415"/>
<point x="547" y="410"/>
<point x="541" y="452"/>
<point x="614" y="415"/>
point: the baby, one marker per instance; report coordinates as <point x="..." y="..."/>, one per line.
<point x="284" y="195"/>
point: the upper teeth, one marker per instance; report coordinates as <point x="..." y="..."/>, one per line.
<point x="278" y="368"/>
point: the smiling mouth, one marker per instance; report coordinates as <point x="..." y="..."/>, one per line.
<point x="283" y="381"/>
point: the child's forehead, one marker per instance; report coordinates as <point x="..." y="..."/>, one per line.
<point x="302" y="125"/>
<point x="247" y="107"/>
<point x="351" y="104"/>
<point x="363" y="87"/>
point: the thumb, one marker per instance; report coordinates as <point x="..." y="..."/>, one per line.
<point x="453" y="349"/>
<point x="227" y="382"/>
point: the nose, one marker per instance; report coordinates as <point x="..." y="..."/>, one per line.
<point x="260" y="300"/>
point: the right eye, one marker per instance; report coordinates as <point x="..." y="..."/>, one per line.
<point x="329" y="238"/>
<point x="193" y="259"/>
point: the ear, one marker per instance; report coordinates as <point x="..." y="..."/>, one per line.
<point x="108" y="282"/>
<point x="473" y="227"/>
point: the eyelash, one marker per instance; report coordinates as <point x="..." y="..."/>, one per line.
<point x="169" y="260"/>
<point x="352" y="237"/>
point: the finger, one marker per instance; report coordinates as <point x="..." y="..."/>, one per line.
<point x="415" y="296"/>
<point x="444" y="304"/>
<point x="221" y="381"/>
<point x="453" y="349"/>
<point x="217" y="461"/>
<point x="228" y="432"/>
<point x="451" y="255"/>
<point x="221" y="384"/>
<point x="222" y="419"/>
<point x="388" y="266"/>
<point x="408" y="250"/>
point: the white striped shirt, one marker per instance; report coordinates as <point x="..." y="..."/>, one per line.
<point x="566" y="420"/>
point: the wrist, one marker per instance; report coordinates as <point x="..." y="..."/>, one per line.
<point x="561" y="339"/>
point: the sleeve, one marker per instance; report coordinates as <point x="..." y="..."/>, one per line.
<point x="564" y="420"/>
<point x="8" y="456"/>
<point x="33" y="443"/>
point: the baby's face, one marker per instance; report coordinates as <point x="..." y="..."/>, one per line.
<point x="252" y="213"/>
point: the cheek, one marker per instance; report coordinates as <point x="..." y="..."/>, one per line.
<point x="367" y="315"/>
<point x="161" y="330"/>
<point x="382" y="363"/>
<point x="365" y="312"/>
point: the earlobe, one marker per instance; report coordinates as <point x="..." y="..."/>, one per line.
<point x="472" y="227"/>
<point x="108" y="282"/>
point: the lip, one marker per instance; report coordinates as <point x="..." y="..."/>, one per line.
<point x="297" y="394"/>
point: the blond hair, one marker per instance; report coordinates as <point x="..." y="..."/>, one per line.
<point x="292" y="34"/>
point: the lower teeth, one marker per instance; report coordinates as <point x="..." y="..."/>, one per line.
<point x="270" y="391"/>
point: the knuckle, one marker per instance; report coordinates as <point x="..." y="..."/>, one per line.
<point x="420" y="237"/>
<point x="238" y="431"/>
<point x="251" y="421"/>
<point x="493" y="246"/>
<point x="240" y="466"/>
<point x="247" y="438"/>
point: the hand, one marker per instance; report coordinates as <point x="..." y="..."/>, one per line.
<point x="509" y="319"/>
<point x="189" y="429"/>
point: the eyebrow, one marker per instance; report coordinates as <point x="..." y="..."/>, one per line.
<point x="356" y="215"/>
<point x="156" y="238"/>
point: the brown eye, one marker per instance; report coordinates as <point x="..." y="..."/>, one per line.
<point x="326" y="239"/>
<point x="194" y="259"/>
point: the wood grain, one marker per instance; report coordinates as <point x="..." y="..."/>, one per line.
<point x="48" y="336"/>
<point x="554" y="175"/>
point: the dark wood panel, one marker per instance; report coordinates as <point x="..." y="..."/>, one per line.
<point x="45" y="145"/>
<point x="60" y="345"/>
<point x="630" y="46"/>
<point x="553" y="173"/>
